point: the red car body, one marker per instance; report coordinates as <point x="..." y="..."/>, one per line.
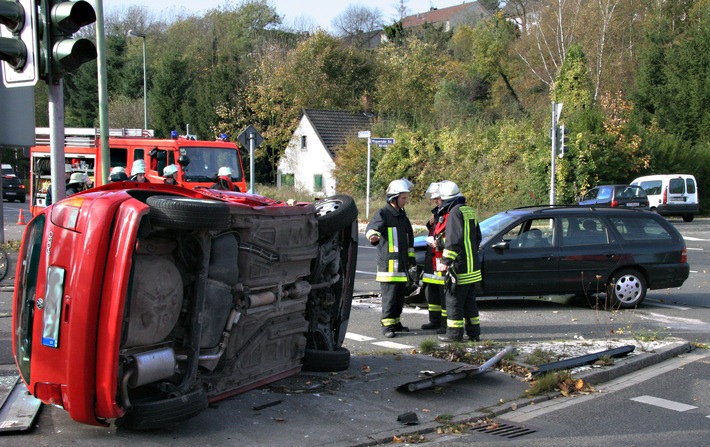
<point x="145" y="302"/>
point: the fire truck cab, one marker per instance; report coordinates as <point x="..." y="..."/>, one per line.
<point x="198" y="161"/>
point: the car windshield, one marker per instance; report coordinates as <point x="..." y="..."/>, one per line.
<point x="494" y="224"/>
<point x="206" y="161"/>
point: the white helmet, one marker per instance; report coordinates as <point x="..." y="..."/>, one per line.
<point x="397" y="187"/>
<point x="432" y="192"/>
<point x="138" y="167"/>
<point x="170" y="170"/>
<point x="77" y="177"/>
<point x="448" y="190"/>
<point x="225" y="171"/>
<point x="117" y="169"/>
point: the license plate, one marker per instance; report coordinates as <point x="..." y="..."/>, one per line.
<point x="677" y="199"/>
<point x="632" y="204"/>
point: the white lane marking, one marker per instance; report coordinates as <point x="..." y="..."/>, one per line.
<point x="392" y="345"/>
<point x="357" y="337"/>
<point x="366" y="273"/>
<point x="667" y="306"/>
<point x="690" y="238"/>
<point x="663" y="403"/>
<point x="667" y="319"/>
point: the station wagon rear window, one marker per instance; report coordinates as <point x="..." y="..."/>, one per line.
<point x="640" y="228"/>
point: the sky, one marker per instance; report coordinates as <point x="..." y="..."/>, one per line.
<point x="319" y="13"/>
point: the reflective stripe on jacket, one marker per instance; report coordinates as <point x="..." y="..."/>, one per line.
<point x="395" y="250"/>
<point x="463" y="236"/>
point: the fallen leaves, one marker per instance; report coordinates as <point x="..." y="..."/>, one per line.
<point x="568" y="387"/>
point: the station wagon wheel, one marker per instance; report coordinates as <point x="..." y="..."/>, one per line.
<point x="688" y="217"/>
<point x="626" y="289"/>
<point x="335" y="213"/>
<point x="326" y="361"/>
<point x="188" y="213"/>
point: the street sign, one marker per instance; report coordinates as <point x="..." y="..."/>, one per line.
<point x="382" y="142"/>
<point x="363" y="134"/>
<point x="248" y="134"/>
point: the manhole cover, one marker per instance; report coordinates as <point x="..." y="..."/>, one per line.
<point x="503" y="430"/>
<point x="305" y="384"/>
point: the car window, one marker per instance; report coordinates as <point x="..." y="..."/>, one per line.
<point x="583" y="230"/>
<point x="652" y="187"/>
<point x="676" y="186"/>
<point x="629" y="192"/>
<point x="591" y="194"/>
<point x="690" y="186"/>
<point x="494" y="224"/>
<point x="532" y="233"/>
<point x="604" y="193"/>
<point x="640" y="228"/>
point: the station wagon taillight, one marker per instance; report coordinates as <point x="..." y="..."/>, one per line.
<point x="684" y="255"/>
<point x="614" y="203"/>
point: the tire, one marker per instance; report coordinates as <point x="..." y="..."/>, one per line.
<point x="688" y="217"/>
<point x="158" y="414"/>
<point x="335" y="213"/>
<point x="4" y="264"/>
<point x="326" y="361"/>
<point x="626" y="289"/>
<point x="188" y="213"/>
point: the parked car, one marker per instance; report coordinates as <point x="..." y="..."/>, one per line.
<point x="621" y="196"/>
<point x="614" y="253"/>
<point x="13" y="189"/>
<point x="671" y="194"/>
<point x="142" y="303"/>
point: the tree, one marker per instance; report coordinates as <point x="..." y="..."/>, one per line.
<point x="172" y="94"/>
<point x="357" y="20"/>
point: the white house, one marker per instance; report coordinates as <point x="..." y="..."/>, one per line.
<point x="309" y="159"/>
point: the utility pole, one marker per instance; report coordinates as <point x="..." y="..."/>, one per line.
<point x="556" y="111"/>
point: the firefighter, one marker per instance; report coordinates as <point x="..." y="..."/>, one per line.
<point x="391" y="231"/>
<point x="432" y="278"/>
<point x="224" y="180"/>
<point x="67" y="176"/>
<point x="170" y="172"/>
<point x="138" y="171"/>
<point x="77" y="183"/>
<point x="461" y="265"/>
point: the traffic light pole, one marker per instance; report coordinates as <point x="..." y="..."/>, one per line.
<point x="56" y="140"/>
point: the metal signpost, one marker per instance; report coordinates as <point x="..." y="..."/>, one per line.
<point x="250" y="138"/>
<point x="556" y="111"/>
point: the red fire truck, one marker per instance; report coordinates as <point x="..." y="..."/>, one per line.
<point x="198" y="160"/>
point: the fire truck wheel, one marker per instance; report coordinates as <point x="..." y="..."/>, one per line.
<point x="154" y="414"/>
<point x="335" y="213"/>
<point x="326" y="361"/>
<point x="188" y="213"/>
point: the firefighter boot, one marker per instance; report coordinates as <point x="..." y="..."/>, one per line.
<point x="388" y="331"/>
<point x="453" y="335"/>
<point x="399" y="328"/>
<point x="442" y="328"/>
<point x="434" y="321"/>
<point x="473" y="331"/>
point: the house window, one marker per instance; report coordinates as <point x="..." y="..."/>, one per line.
<point x="287" y="180"/>
<point x="303" y="141"/>
<point x="318" y="183"/>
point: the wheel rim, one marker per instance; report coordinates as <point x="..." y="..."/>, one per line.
<point x="627" y="289"/>
<point x="327" y="206"/>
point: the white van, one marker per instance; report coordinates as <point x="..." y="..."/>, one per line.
<point x="671" y="194"/>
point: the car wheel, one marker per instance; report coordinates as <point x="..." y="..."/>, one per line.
<point x="159" y="413"/>
<point x="22" y="199"/>
<point x="335" y="213"/>
<point x="188" y="213"/>
<point x="688" y="217"/>
<point x="626" y="289"/>
<point x="326" y="361"/>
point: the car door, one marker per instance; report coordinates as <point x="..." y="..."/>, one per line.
<point x="590" y="198"/>
<point x="588" y="252"/>
<point x="521" y="259"/>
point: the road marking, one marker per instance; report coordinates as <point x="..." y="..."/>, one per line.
<point x="357" y="337"/>
<point x="366" y="273"/>
<point x="667" y="306"/>
<point x="696" y="249"/>
<point x="392" y="345"/>
<point x="663" y="403"/>
<point x="690" y="238"/>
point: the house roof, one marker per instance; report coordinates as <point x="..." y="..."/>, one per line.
<point x="438" y="15"/>
<point x="335" y="126"/>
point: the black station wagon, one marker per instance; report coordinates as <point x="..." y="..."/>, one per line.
<point x="561" y="250"/>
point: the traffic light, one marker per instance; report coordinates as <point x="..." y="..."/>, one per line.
<point x="18" y="44"/>
<point x="564" y="139"/>
<point x="60" y="52"/>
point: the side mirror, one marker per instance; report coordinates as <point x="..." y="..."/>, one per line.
<point x="502" y="245"/>
<point x="183" y="160"/>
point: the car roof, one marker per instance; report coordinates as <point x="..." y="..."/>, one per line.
<point x="569" y="209"/>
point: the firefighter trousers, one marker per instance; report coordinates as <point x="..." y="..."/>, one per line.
<point x="461" y="308"/>
<point x="393" y="294"/>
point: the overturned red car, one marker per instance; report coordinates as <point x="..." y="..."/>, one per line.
<point x="140" y="304"/>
